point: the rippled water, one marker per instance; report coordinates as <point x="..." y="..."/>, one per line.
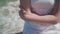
<point x="10" y="22"/>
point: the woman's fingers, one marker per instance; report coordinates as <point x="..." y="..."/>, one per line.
<point x="27" y="11"/>
<point x="21" y="14"/>
<point x="24" y="11"/>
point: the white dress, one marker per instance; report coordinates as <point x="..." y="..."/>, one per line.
<point x="37" y="28"/>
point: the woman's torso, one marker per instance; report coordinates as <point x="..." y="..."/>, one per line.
<point x="41" y="8"/>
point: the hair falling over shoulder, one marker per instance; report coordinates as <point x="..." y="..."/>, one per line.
<point x="55" y="8"/>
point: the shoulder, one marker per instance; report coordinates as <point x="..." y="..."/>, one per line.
<point x="58" y="12"/>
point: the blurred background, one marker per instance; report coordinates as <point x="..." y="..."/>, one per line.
<point x="10" y="22"/>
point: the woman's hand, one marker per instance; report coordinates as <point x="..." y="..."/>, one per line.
<point x="28" y="15"/>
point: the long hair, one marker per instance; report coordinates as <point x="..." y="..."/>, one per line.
<point x="55" y="8"/>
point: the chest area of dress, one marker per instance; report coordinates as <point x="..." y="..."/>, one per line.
<point x="41" y="8"/>
<point x="41" y="11"/>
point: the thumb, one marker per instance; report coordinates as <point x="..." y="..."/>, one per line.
<point x="28" y="11"/>
<point x="24" y="12"/>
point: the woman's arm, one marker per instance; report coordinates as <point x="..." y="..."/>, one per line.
<point x="33" y="17"/>
<point x="37" y="18"/>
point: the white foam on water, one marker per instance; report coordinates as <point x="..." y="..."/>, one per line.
<point x="12" y="23"/>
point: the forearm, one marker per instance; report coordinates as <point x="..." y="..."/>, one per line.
<point x="47" y="18"/>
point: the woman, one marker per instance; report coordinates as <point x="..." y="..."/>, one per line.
<point x="38" y="16"/>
